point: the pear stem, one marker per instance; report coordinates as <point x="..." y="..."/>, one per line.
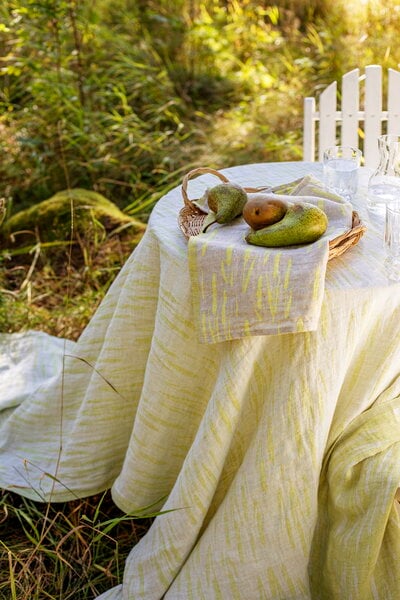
<point x="207" y="226"/>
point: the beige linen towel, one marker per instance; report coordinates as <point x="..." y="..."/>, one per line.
<point x="240" y="290"/>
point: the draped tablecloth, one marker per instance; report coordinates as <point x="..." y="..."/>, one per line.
<point x="279" y="455"/>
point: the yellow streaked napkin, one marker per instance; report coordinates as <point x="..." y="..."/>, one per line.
<point x="240" y="290"/>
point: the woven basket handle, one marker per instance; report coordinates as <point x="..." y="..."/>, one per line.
<point x="202" y="171"/>
<point x="194" y="173"/>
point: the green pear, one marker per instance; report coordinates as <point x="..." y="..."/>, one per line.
<point x="302" y="224"/>
<point x="226" y="201"/>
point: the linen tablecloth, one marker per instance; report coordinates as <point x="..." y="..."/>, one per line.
<point x="279" y="453"/>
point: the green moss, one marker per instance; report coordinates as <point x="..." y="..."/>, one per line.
<point x="77" y="211"/>
<point x="58" y="258"/>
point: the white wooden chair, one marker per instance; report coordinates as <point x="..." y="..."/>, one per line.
<point x="358" y="127"/>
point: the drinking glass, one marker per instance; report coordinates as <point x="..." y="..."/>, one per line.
<point x="392" y="240"/>
<point x="341" y="165"/>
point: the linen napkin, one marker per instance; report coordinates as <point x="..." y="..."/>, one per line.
<point x="240" y="290"/>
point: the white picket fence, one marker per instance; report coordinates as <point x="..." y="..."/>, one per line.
<point x="352" y="125"/>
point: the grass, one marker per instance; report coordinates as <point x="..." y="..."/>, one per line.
<point x="54" y="280"/>
<point x="70" y="551"/>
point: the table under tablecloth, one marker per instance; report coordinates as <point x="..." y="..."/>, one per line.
<point x="278" y="456"/>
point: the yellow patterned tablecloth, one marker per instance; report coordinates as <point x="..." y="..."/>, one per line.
<point x="280" y="453"/>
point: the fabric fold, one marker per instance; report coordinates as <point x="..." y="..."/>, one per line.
<point x="359" y="515"/>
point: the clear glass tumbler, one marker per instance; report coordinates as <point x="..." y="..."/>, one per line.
<point x="392" y="240"/>
<point x="341" y="165"/>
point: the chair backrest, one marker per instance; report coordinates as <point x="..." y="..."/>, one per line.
<point x="359" y="127"/>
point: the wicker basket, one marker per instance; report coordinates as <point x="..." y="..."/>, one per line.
<point x="191" y="217"/>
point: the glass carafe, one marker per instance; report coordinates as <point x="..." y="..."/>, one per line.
<point x="384" y="183"/>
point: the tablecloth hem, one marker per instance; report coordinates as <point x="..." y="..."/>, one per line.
<point x="251" y="331"/>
